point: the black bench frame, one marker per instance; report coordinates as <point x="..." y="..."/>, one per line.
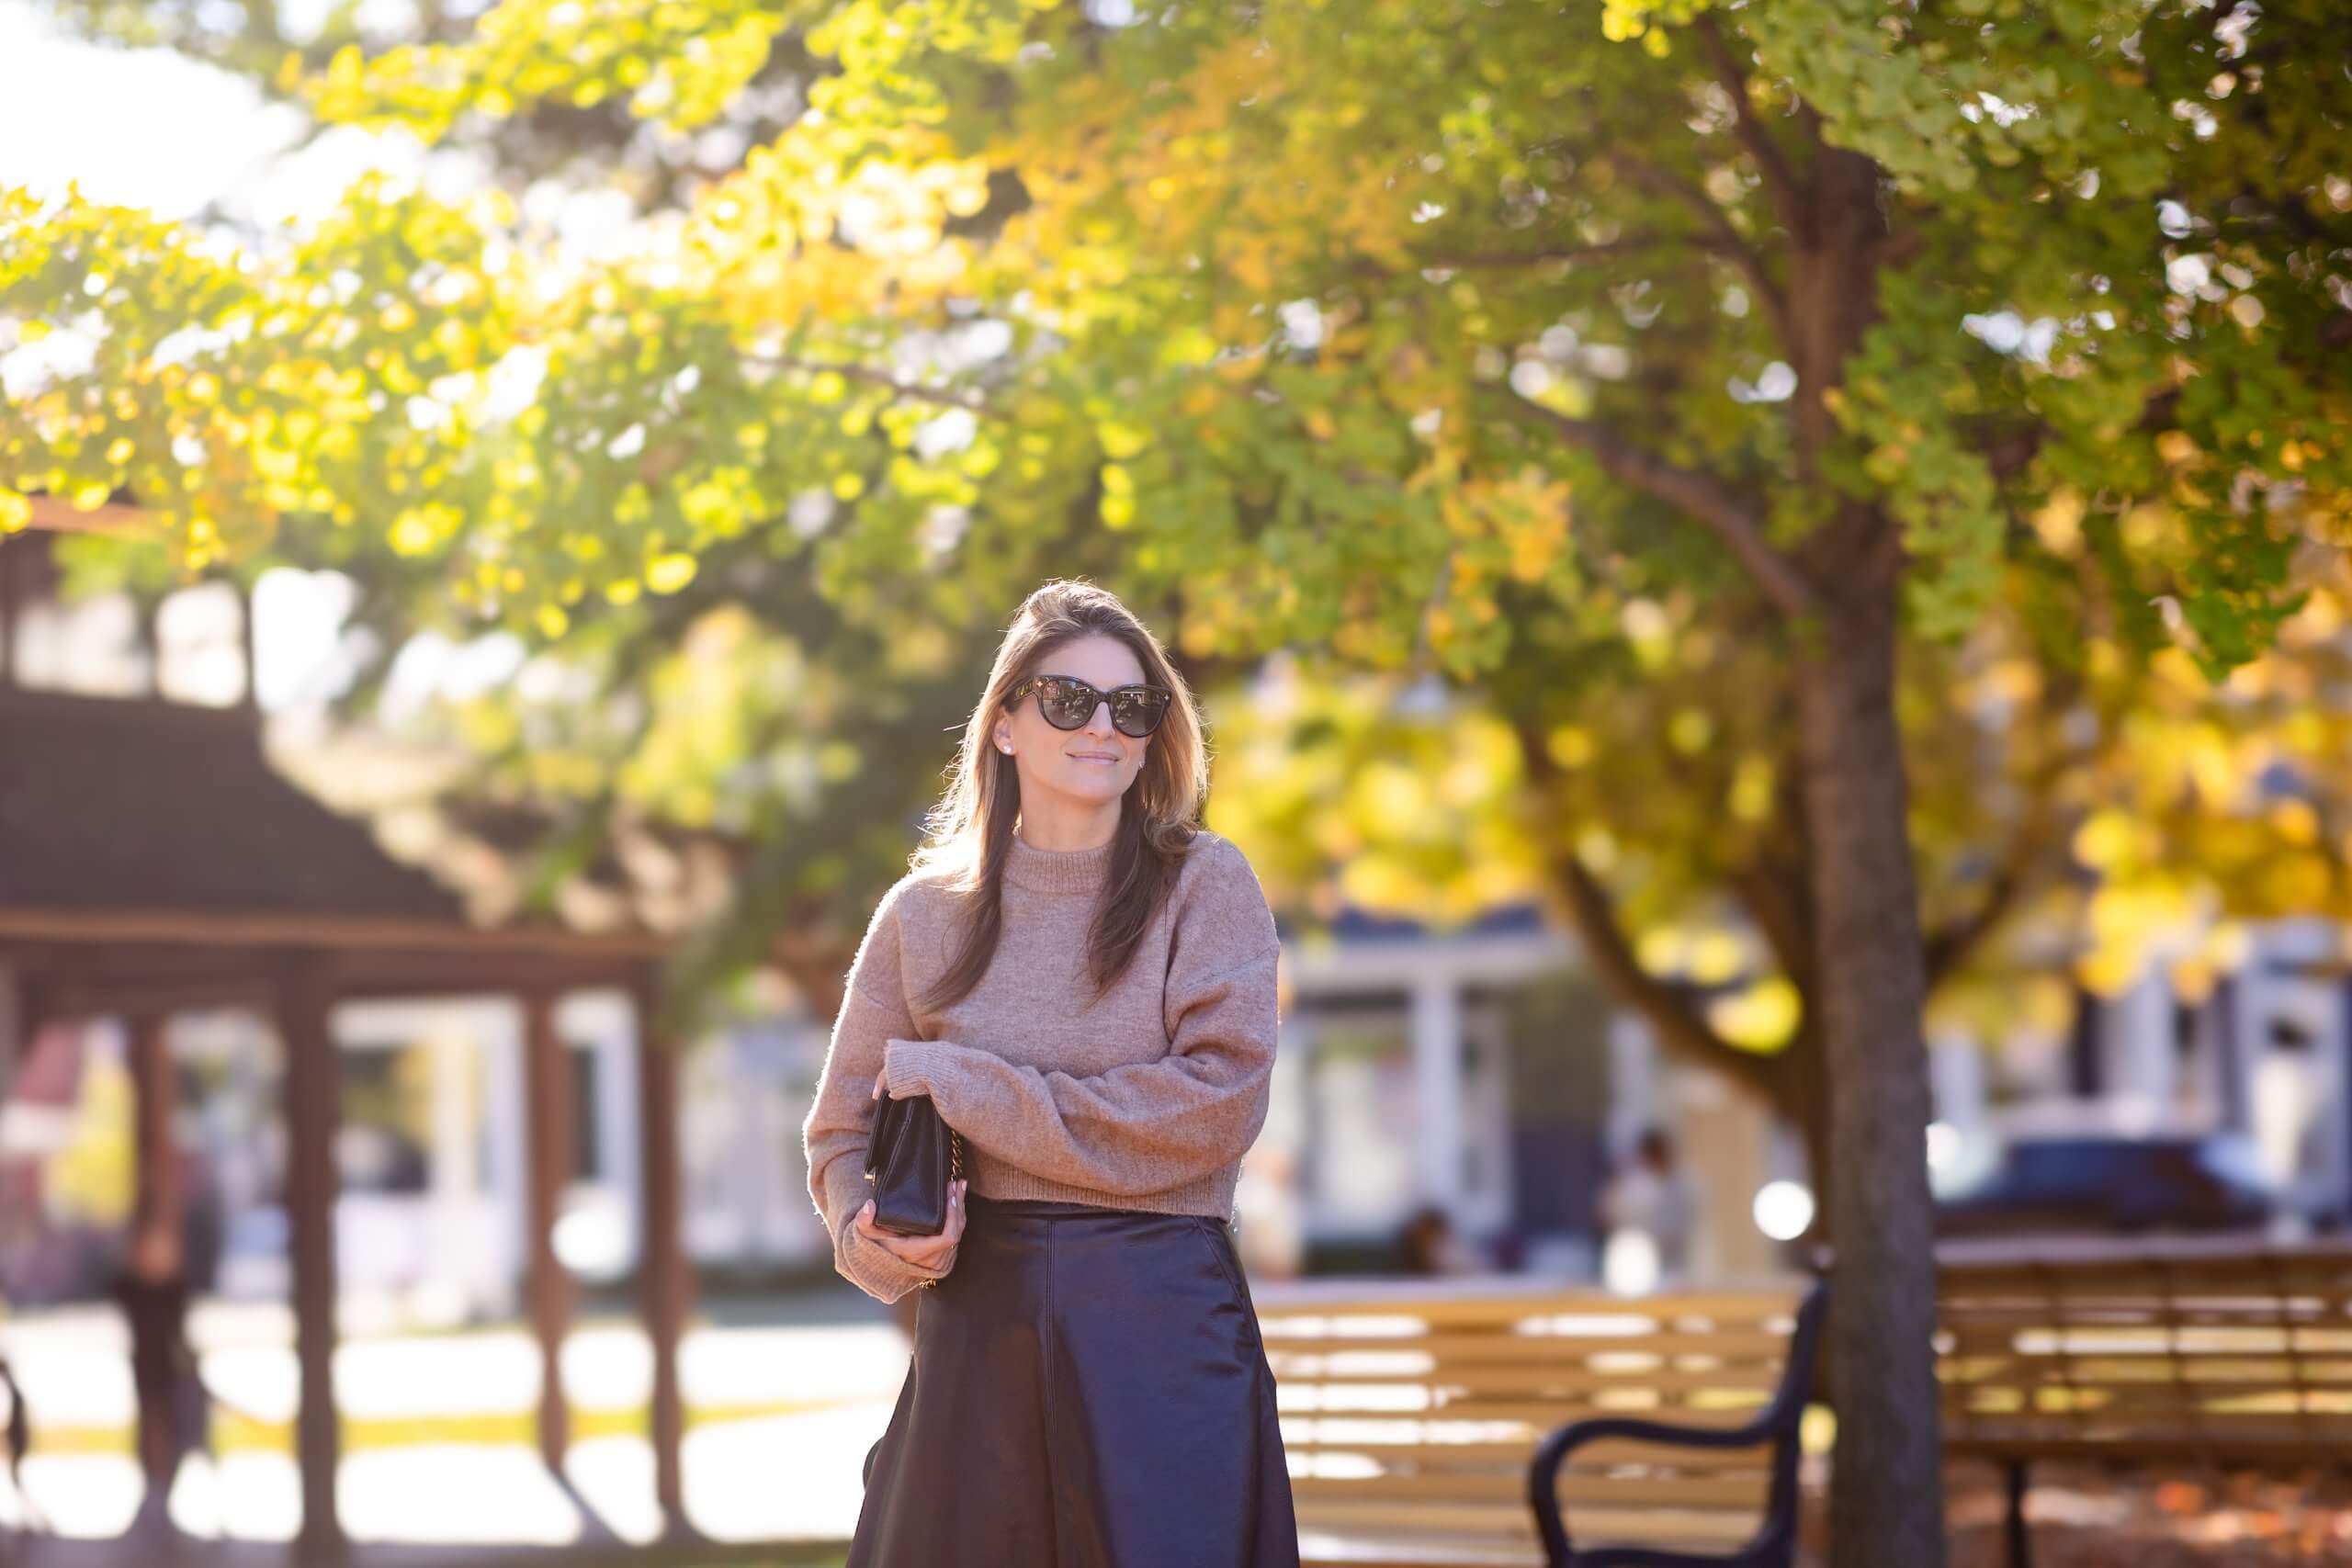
<point x="1775" y="1542"/>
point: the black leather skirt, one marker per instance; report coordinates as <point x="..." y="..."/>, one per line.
<point x="1088" y="1390"/>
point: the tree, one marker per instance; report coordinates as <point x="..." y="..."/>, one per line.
<point x="2120" y="812"/>
<point x="1324" y="312"/>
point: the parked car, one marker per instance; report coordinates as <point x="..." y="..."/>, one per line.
<point x="2110" y="1184"/>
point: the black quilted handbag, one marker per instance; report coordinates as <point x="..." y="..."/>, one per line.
<point x="911" y="1157"/>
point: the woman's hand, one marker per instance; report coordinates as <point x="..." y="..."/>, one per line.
<point x="923" y="1251"/>
<point x="928" y="1252"/>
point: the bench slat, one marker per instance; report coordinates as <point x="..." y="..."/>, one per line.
<point x="1745" y="1494"/>
<point x="1513" y="1523"/>
<point x="1503" y="1346"/>
<point x="1533" y="1382"/>
<point x="1514" y="1455"/>
<point x="1327" y="1549"/>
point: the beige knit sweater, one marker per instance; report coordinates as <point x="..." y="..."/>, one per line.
<point x="1146" y="1098"/>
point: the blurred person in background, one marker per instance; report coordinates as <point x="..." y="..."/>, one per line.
<point x="151" y="1288"/>
<point x="1428" y="1244"/>
<point x="20" y="1443"/>
<point x="1267" y="1213"/>
<point x="1649" y="1202"/>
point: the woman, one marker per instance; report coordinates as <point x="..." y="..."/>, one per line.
<point x="1083" y="980"/>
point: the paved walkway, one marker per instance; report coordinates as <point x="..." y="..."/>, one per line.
<point x="2083" y="1517"/>
<point x="447" y="1418"/>
<point x="782" y="1416"/>
<point x="52" y="1553"/>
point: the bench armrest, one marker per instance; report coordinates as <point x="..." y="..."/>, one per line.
<point x="1544" y="1473"/>
<point x="1775" y="1425"/>
<point x="1556" y="1447"/>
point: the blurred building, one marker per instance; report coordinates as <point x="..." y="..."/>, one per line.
<point x="2263" y="1057"/>
<point x="211" y="986"/>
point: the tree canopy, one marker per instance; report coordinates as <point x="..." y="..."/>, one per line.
<point x="1228" y="289"/>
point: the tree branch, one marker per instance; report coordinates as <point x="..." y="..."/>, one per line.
<point x="1775" y="888"/>
<point x="1949" y="944"/>
<point x="868" y="374"/>
<point x="2010" y="453"/>
<point x="1679" y="1025"/>
<point x="1660" y="181"/>
<point x="1780" y="178"/>
<point x="1726" y="513"/>
<point x="1636" y="245"/>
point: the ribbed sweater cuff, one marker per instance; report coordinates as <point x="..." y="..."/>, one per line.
<point x="876" y="1270"/>
<point x="914" y="1066"/>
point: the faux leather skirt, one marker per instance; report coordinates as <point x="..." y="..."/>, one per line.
<point x="1088" y="1390"/>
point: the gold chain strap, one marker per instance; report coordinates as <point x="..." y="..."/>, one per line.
<point x="956" y="1161"/>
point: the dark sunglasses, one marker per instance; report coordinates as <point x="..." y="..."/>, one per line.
<point x="1068" y="702"/>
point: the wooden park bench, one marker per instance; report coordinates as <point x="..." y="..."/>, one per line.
<point x="1430" y="1422"/>
<point x="2208" y="1356"/>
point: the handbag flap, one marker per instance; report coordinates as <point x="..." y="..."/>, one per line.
<point x="912" y="1173"/>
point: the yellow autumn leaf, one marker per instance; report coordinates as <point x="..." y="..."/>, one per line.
<point x="667" y="574"/>
<point x="1760" y="1017"/>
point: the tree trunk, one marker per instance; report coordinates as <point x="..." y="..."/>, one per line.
<point x="1886" y="1492"/>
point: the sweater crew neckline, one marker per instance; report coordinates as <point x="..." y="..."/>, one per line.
<point x="1057" y="871"/>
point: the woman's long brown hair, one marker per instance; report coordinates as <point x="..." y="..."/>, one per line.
<point x="968" y="834"/>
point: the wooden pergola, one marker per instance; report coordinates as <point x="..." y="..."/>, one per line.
<point x="152" y="863"/>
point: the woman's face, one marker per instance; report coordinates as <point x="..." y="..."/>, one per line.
<point x="1062" y="761"/>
